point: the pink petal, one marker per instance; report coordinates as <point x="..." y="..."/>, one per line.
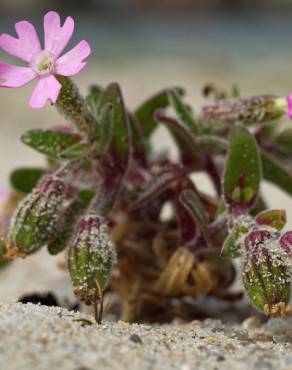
<point x="46" y="88"/>
<point x="57" y="37"/>
<point x="72" y="62"/>
<point x="289" y="108"/>
<point x="15" y="76"/>
<point x="27" y="44"/>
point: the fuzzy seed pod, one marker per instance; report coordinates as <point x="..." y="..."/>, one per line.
<point x="36" y="218"/>
<point x="91" y="257"/>
<point x="265" y="273"/>
<point x="255" y="109"/>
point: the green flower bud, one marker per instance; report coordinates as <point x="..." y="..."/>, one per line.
<point x="36" y="218"/>
<point x="265" y="273"/>
<point x="74" y="108"/>
<point x="91" y="257"/>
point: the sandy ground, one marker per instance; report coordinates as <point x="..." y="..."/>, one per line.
<point x="42" y="338"/>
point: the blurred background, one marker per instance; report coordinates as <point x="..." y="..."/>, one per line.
<point x="146" y="45"/>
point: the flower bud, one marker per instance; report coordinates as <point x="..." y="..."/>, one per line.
<point x="286" y="243"/>
<point x="74" y="108"/>
<point x="91" y="257"/>
<point x="265" y="273"/>
<point x="251" y="110"/>
<point x="35" y="220"/>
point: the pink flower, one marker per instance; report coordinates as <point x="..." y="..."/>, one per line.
<point x="43" y="64"/>
<point x="289" y="105"/>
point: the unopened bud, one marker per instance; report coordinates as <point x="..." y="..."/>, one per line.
<point x="286" y="243"/>
<point x="91" y="257"/>
<point x="35" y="220"/>
<point x="265" y="273"/>
<point x="251" y="110"/>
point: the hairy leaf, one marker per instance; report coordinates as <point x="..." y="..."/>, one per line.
<point x="242" y="171"/>
<point x="49" y="142"/>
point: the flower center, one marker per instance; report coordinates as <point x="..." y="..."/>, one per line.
<point x="43" y="63"/>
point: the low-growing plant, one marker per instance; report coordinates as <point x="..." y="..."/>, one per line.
<point x="100" y="197"/>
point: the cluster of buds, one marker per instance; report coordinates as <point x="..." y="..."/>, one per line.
<point x="265" y="258"/>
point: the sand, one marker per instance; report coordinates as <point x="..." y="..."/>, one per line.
<point x="48" y="338"/>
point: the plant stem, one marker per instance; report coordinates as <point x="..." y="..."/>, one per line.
<point x="98" y="296"/>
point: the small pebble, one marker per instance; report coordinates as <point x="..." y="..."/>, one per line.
<point x="136" y="339"/>
<point x="251" y="323"/>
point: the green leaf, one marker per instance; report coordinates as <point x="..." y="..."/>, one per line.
<point x="93" y="98"/>
<point x="105" y="127"/>
<point x="25" y="179"/>
<point x="184" y="139"/>
<point x="145" y="113"/>
<point x="230" y="248"/>
<point x="275" y="218"/>
<point x="212" y="143"/>
<point x="114" y="160"/>
<point x="193" y="204"/>
<point x="86" y="195"/>
<point x="242" y="171"/>
<point x="275" y="172"/>
<point x="76" y="151"/>
<point x="284" y="141"/>
<point x="113" y="100"/>
<point x="49" y="142"/>
<point x="182" y="111"/>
